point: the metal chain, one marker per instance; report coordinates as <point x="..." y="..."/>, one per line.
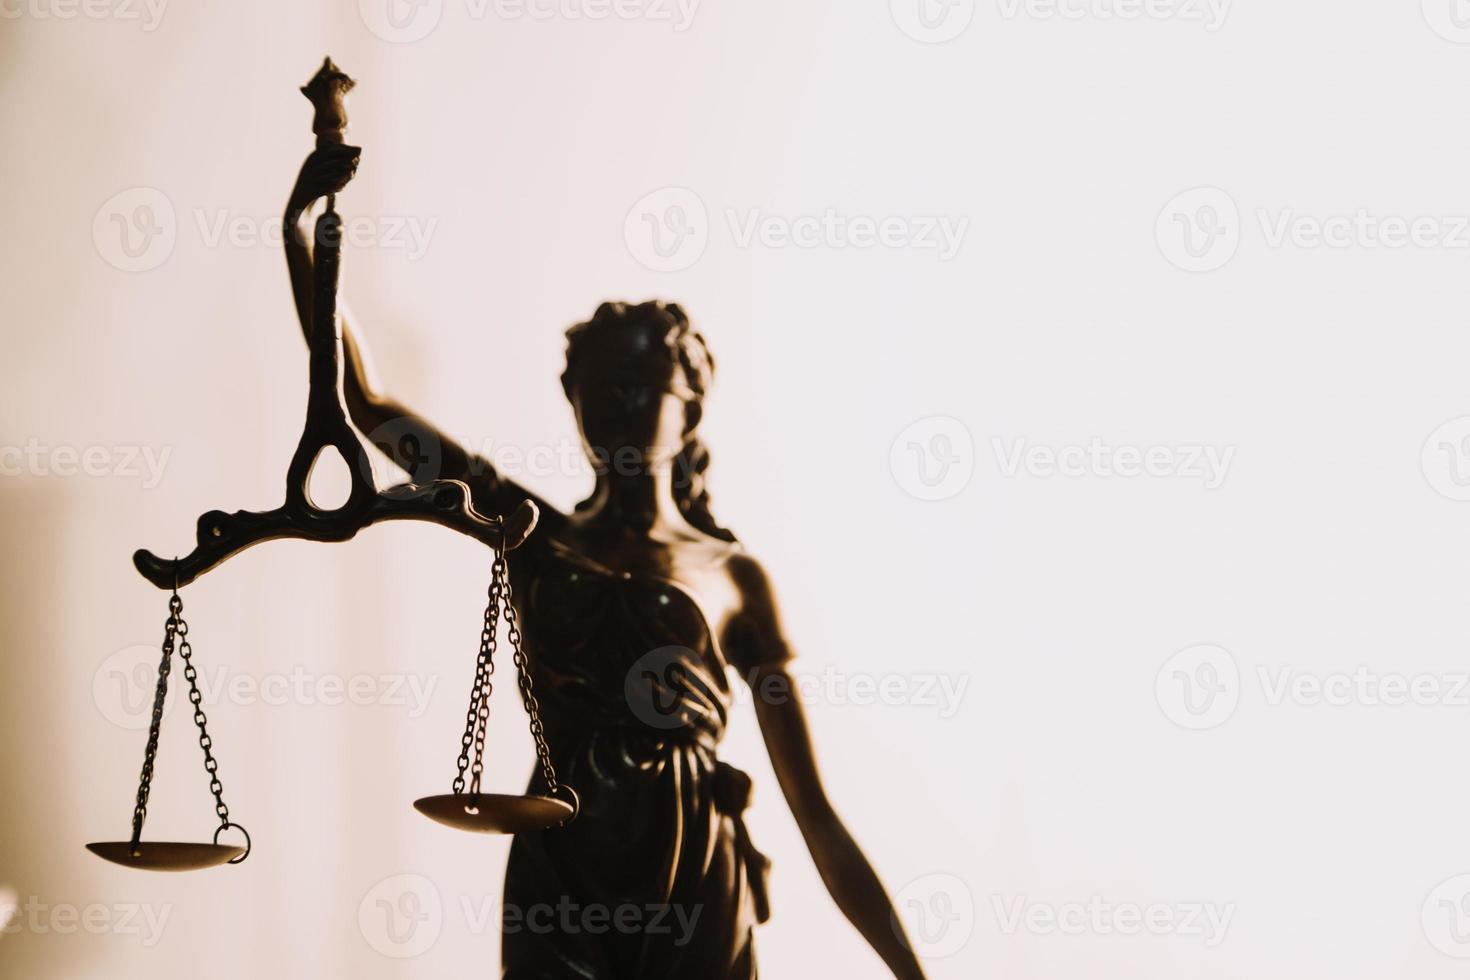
<point x="523" y="677"/>
<point x="477" y="717"/>
<point x="211" y="766"/>
<point x="160" y="693"/>
<point x="479" y="712"/>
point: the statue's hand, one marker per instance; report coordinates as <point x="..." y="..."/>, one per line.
<point x="326" y="171"/>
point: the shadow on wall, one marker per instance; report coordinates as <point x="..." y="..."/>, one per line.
<point x="33" y="644"/>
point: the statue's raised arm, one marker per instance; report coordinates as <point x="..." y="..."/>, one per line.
<point x="442" y="497"/>
<point x="419" y="447"/>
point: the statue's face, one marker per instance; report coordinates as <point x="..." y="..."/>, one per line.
<point x="633" y="416"/>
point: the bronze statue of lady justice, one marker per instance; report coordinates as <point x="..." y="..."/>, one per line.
<point x="638" y="587"/>
<point x="639" y="566"/>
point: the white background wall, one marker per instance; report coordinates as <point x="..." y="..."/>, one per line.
<point x="1068" y="774"/>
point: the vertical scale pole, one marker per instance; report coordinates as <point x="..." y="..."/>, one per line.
<point x="326" y="419"/>
<point x="326" y="90"/>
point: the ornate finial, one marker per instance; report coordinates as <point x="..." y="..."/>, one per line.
<point x="326" y="91"/>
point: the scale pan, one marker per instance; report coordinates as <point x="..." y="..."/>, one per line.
<point x="494" y="813"/>
<point x="164" y="855"/>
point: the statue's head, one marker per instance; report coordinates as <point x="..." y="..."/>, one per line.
<point x="636" y="377"/>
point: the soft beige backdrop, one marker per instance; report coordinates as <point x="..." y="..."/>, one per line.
<point x="1060" y="793"/>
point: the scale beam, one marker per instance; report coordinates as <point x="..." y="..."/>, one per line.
<point x="448" y="503"/>
<point x="444" y="502"/>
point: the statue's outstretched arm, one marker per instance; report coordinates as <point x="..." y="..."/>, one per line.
<point x="755" y="639"/>
<point x="404" y="435"/>
<point x="845" y="871"/>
